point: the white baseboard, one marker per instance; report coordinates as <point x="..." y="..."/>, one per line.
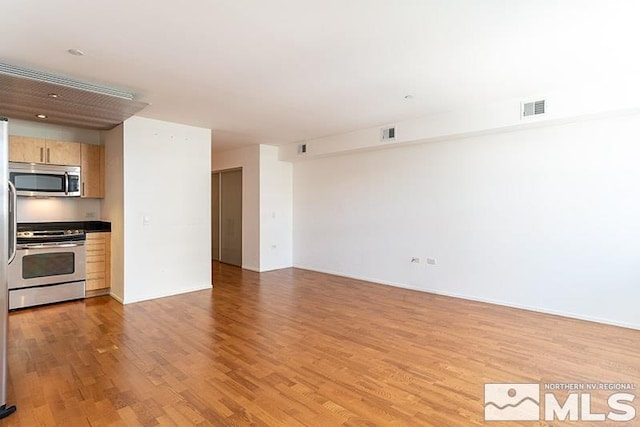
<point x="115" y="297"/>
<point x="264" y="270"/>
<point x="478" y="299"/>
<point x="169" y="294"/>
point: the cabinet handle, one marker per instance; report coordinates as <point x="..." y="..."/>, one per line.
<point x="48" y="155"/>
<point x="41" y="154"/>
<point x="83" y="188"/>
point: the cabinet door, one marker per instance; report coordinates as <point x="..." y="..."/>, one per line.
<point x="63" y="153"/>
<point x="26" y="149"/>
<point x="92" y="170"/>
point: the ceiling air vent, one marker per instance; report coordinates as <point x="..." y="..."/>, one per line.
<point x="388" y="134"/>
<point x="25" y="73"/>
<point x="533" y="108"/>
<point x="26" y="94"/>
<point x="302" y="149"/>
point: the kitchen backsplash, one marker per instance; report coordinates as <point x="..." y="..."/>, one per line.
<point x="57" y="209"/>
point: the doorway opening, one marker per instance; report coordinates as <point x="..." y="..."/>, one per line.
<point x="226" y="216"/>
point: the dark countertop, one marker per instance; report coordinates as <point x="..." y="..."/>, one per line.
<point x="87" y="226"/>
<point x="97" y="226"/>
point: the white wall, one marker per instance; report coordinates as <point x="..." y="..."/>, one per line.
<point x="475" y="120"/>
<point x="276" y="210"/>
<point x="167" y="205"/>
<point x="247" y="158"/>
<point x="113" y="206"/>
<point x="266" y="205"/>
<point x="542" y="218"/>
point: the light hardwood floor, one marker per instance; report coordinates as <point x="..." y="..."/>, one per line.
<point x="295" y="348"/>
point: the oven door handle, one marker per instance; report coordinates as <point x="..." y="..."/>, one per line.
<point x="54" y="246"/>
<point x="13" y="202"/>
<point x="70" y="245"/>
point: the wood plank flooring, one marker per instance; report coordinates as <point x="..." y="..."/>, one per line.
<point x="295" y="348"/>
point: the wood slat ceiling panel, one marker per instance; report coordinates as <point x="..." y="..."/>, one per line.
<point x="23" y="98"/>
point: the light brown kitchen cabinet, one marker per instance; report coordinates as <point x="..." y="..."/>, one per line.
<point x="62" y="153"/>
<point x="40" y="150"/>
<point x="92" y="170"/>
<point x="98" y="264"/>
<point x="25" y="149"/>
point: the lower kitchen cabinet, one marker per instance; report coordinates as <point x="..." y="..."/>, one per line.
<point x="98" y="264"/>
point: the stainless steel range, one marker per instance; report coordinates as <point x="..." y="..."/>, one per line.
<point x="49" y="266"/>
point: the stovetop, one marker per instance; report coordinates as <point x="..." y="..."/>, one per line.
<point x="88" y="226"/>
<point x="57" y="232"/>
<point x="50" y="236"/>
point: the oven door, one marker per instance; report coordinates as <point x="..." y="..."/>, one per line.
<point x="40" y="265"/>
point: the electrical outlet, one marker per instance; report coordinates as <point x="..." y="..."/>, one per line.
<point x="415" y="260"/>
<point x="431" y="261"/>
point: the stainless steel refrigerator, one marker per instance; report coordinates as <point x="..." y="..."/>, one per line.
<point x="7" y="253"/>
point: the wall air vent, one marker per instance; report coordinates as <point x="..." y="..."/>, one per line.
<point x="533" y="108"/>
<point x="388" y="134"/>
<point x="302" y="149"/>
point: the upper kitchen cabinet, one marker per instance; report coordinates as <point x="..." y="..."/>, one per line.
<point x="25" y="149"/>
<point x="92" y="170"/>
<point x="63" y="153"/>
<point x="39" y="150"/>
<point x="89" y="157"/>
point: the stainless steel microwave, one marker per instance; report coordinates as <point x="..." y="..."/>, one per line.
<point x="38" y="180"/>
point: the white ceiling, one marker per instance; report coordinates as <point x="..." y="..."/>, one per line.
<point x="279" y="71"/>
